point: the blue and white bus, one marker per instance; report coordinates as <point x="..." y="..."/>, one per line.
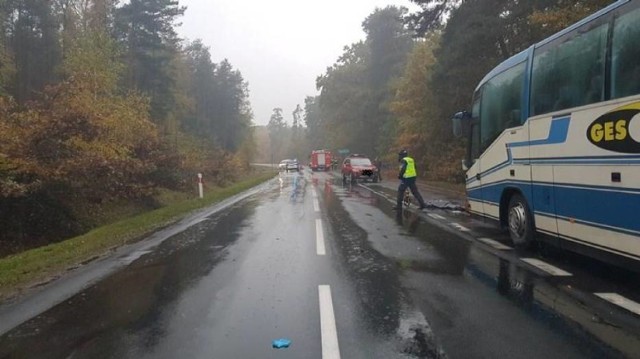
<point x="554" y="138"/>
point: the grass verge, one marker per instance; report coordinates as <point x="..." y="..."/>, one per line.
<point x="21" y="270"/>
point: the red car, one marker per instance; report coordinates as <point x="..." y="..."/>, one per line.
<point x="358" y="167"/>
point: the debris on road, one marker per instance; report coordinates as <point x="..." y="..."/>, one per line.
<point x="281" y="343"/>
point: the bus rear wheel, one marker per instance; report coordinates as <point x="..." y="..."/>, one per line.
<point x="520" y="222"/>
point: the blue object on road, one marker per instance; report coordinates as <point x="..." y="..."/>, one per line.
<point x="281" y="343"/>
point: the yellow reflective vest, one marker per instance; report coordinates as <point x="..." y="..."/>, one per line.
<point x="411" y="168"/>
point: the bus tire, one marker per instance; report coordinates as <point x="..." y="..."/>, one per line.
<point x="520" y="222"/>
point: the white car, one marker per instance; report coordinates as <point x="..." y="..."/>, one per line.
<point x="282" y="166"/>
<point x="292" y="165"/>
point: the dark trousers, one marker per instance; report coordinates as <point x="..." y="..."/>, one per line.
<point x="411" y="184"/>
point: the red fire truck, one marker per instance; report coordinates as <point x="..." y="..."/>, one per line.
<point x="320" y="160"/>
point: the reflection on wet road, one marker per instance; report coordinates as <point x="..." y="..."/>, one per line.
<point x="400" y="287"/>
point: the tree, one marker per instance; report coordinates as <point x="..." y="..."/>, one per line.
<point x="356" y="90"/>
<point x="420" y="129"/>
<point x="31" y="31"/>
<point x="564" y="13"/>
<point x="298" y="147"/>
<point x="389" y="43"/>
<point x="432" y="14"/>
<point x="343" y="100"/>
<point x="297" y="117"/>
<point x="201" y="88"/>
<point x="277" y="130"/>
<point x="146" y="31"/>
<point x="316" y="132"/>
<point x="7" y="65"/>
<point x="231" y="106"/>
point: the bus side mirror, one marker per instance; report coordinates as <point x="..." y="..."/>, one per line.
<point x="465" y="165"/>
<point x="461" y="124"/>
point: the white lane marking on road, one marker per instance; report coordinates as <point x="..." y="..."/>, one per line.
<point x="459" y="227"/>
<point x="434" y="215"/>
<point x="620" y="301"/>
<point x="320" y="250"/>
<point x="555" y="271"/>
<point x="316" y="205"/>
<point x="330" y="348"/>
<point x="314" y="193"/>
<point x="494" y="244"/>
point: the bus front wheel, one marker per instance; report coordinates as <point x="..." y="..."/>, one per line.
<point x="520" y="221"/>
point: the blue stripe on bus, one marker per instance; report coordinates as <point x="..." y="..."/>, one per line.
<point x="589" y="160"/>
<point x="590" y="206"/>
<point x="558" y="184"/>
<point x="557" y="134"/>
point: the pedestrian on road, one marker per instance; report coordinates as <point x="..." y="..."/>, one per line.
<point x="407" y="176"/>
<point x="378" y="164"/>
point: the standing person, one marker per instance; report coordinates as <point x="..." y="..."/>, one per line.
<point x="378" y="164"/>
<point x="407" y="176"/>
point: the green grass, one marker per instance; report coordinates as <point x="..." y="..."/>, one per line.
<point x="22" y="270"/>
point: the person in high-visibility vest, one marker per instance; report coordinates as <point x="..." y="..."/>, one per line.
<point x="407" y="178"/>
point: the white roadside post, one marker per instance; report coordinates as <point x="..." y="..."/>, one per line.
<point x="200" y="190"/>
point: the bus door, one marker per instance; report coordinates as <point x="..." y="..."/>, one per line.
<point x="543" y="201"/>
<point x="474" y="188"/>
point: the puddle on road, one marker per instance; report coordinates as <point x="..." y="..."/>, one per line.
<point x="425" y="251"/>
<point x="134" y="298"/>
<point x="384" y="307"/>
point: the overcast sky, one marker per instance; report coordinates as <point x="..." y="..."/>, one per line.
<point x="280" y="46"/>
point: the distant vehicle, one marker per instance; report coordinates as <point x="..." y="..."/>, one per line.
<point x="358" y="167"/>
<point x="292" y="165"/>
<point x="288" y="165"/>
<point x="320" y="160"/>
<point x="282" y="166"/>
<point x="554" y="139"/>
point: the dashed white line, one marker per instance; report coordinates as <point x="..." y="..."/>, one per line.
<point x="330" y="348"/>
<point x="435" y="216"/>
<point x="316" y="205"/>
<point x="320" y="250"/>
<point x="555" y="271"/>
<point x="494" y="244"/>
<point x="460" y="227"/>
<point x="314" y="193"/>
<point x="620" y="301"/>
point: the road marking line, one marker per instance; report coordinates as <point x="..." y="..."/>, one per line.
<point x="314" y="193"/>
<point x="330" y="348"/>
<point x="434" y="215"/>
<point x="316" y="205"/>
<point x="494" y="244"/>
<point x="460" y="227"/>
<point x="555" y="271"/>
<point x="620" y="301"/>
<point x="320" y="250"/>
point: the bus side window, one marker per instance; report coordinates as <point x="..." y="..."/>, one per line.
<point x="568" y="73"/>
<point x="625" y="69"/>
<point x="595" y="91"/>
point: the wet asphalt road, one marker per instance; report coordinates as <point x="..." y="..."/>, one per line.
<point x="400" y="287"/>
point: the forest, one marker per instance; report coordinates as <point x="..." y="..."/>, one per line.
<point x="103" y="106"/>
